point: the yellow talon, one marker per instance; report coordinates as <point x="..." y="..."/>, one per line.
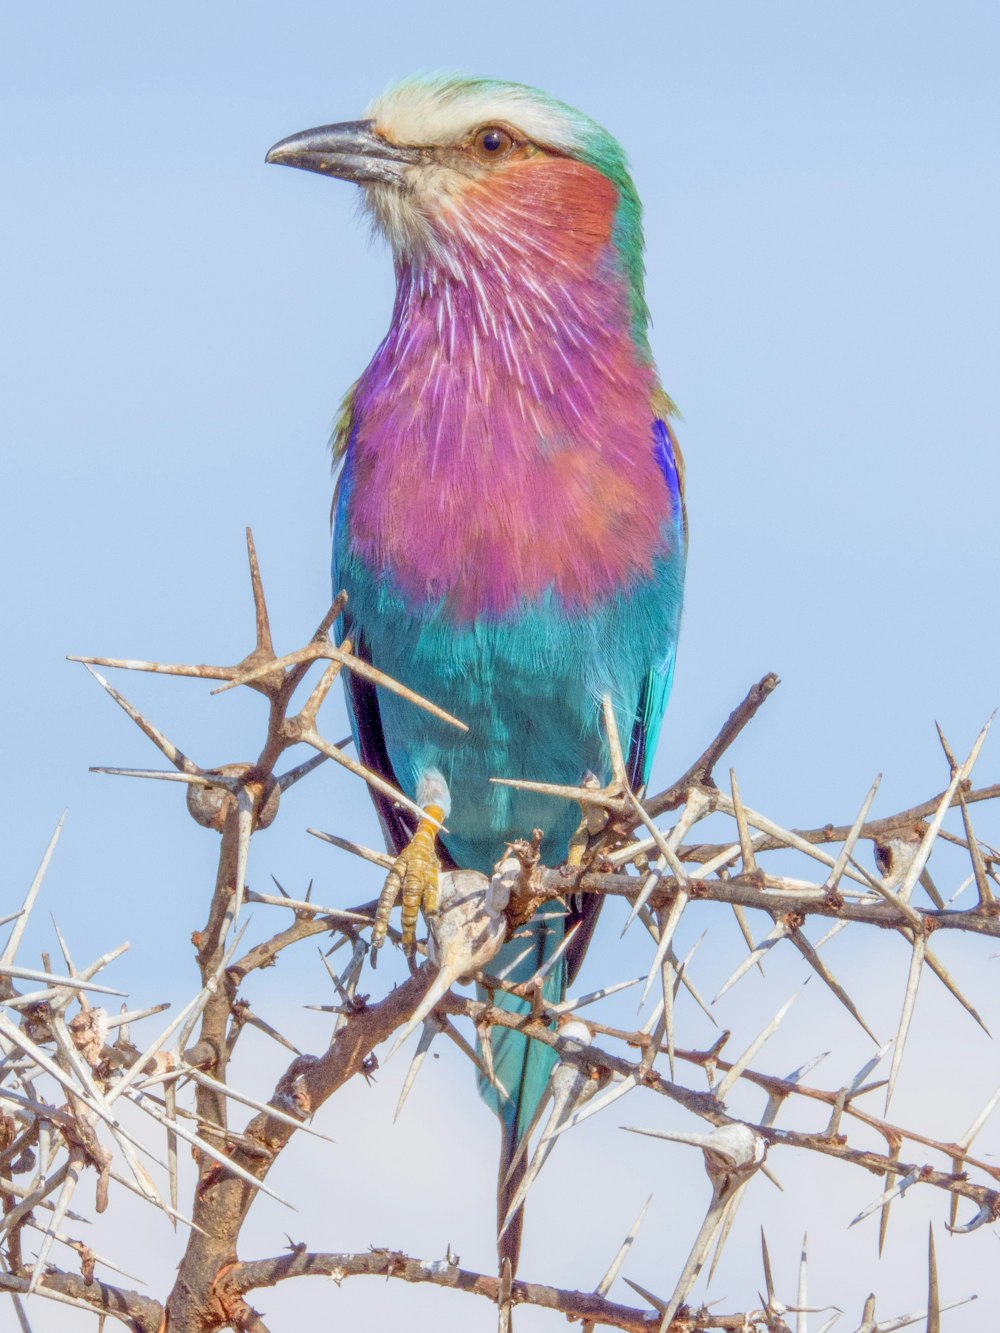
<point x="414" y="873"/>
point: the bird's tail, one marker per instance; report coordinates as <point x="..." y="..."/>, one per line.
<point x="508" y="1182"/>
<point x="521" y="1066"/>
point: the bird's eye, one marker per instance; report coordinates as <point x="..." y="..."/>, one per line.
<point x="492" y="143"/>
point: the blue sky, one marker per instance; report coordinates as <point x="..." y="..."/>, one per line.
<point x="821" y="192"/>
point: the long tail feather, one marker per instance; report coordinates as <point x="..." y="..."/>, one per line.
<point x="508" y="1183"/>
<point x="522" y="1066"/>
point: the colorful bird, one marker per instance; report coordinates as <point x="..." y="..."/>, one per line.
<point x="509" y="520"/>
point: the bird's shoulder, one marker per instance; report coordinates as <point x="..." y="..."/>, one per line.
<point x="343" y="426"/>
<point x="668" y="454"/>
<point x="340" y="438"/>
<point x="665" y="413"/>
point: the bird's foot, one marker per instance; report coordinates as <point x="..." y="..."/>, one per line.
<point x="597" y="816"/>
<point x="415" y="874"/>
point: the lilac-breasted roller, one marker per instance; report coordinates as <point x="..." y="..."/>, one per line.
<point x="509" y="520"/>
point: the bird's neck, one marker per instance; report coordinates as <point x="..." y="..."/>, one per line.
<point x="524" y="281"/>
<point x="489" y="317"/>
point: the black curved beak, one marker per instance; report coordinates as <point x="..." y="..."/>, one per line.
<point x="351" y="151"/>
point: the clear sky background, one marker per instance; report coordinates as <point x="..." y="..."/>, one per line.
<point x="178" y="322"/>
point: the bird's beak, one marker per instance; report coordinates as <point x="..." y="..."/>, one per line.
<point x="352" y="151"/>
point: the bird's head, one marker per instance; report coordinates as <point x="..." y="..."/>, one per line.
<point x="458" y="169"/>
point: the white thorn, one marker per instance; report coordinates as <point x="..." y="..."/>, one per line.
<point x="605" y="1284"/>
<point x="802" y="1293"/>
<point x="840" y="865"/>
<point x="10" y="948"/>
<point x="909" y="1000"/>
<point x="781" y="931"/>
<point x="423" y="1046"/>
<point x="895" y="1191"/>
<point x="146" y="1104"/>
<point x="730" y="1077"/>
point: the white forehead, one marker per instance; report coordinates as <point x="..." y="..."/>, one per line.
<point x="435" y="113"/>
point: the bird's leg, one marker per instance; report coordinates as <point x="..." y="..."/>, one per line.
<point x="598" y="816"/>
<point x="593" y="820"/>
<point x="414" y="874"/>
<point x="602" y="807"/>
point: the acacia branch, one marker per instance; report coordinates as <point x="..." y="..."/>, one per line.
<point x="376" y="1262"/>
<point x="700" y="772"/>
<point x="876" y="830"/>
<point x="746" y="891"/>
<point x="139" y="1313"/>
<point x="311" y="1081"/>
<point x="265" y="954"/>
<point x="783" y="1087"/>
<point x="238" y="799"/>
<point x="710" y="1108"/>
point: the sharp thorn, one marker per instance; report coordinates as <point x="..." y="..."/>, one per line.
<point x="21" y="921"/>
<point x="166" y="747"/>
<point x="605" y="1284"/>
<point x="909" y="1000"/>
<point x="736" y="1070"/>
<point x="840" y="865"/>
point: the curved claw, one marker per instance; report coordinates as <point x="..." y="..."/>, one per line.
<point x="414" y="875"/>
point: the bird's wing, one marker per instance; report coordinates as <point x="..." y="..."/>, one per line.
<point x="362" y="696"/>
<point x="656" y="687"/>
<point x="398" y="825"/>
<point x="656" y="691"/>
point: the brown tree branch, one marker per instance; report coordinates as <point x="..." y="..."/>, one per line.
<point x="700" y="772"/>
<point x="782" y="1087"/>
<point x="266" y="952"/>
<point x="874" y="831"/>
<point x="710" y="1108"/>
<point x="223" y="1200"/>
<point x="211" y="1282"/>
<point x="746" y="891"/>
<point x="139" y="1313"/>
<point x="376" y="1262"/>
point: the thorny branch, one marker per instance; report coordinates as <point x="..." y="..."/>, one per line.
<point x="61" y="1075"/>
<point x="701" y="772"/>
<point x="710" y="1108"/>
<point x="575" y="1305"/>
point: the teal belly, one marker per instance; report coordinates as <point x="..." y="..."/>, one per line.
<point x="529" y="687"/>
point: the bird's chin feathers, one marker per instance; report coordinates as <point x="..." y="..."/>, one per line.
<point x="409" y="216"/>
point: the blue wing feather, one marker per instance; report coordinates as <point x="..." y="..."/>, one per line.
<point x="656" y="691"/>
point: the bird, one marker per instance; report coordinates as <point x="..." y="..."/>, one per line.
<point x="509" y="517"/>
